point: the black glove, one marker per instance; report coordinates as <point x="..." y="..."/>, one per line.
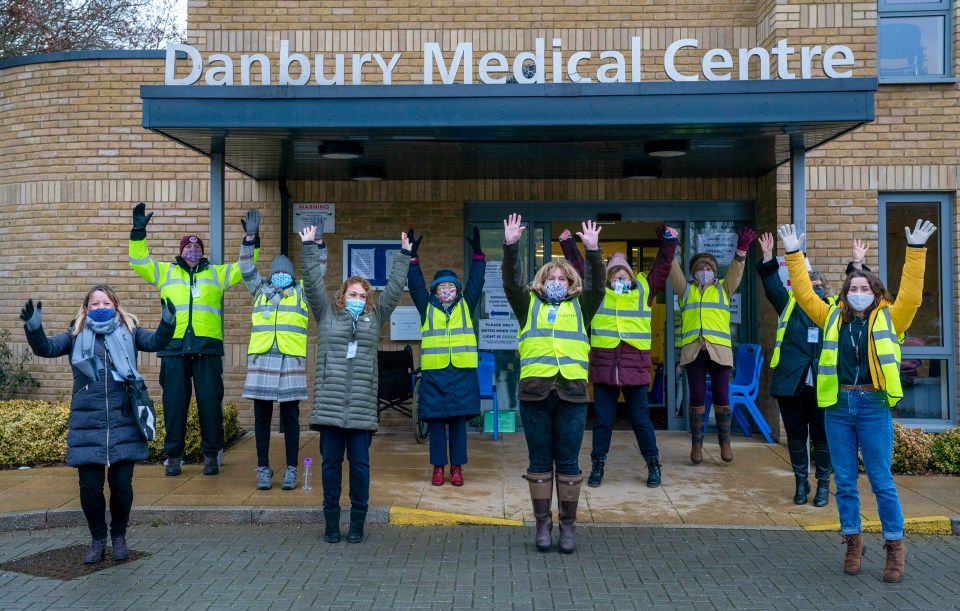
<point x="168" y="311"/>
<point x="30" y="315"/>
<point x="251" y="224"/>
<point x="140" y="217"/>
<point x="474" y="242"/>
<point x="414" y="244"/>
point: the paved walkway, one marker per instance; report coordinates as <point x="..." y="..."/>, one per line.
<point x="756" y="489"/>
<point x="473" y="567"/>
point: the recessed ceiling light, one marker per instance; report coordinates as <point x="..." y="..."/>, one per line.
<point x="667" y="148"/>
<point x="367" y="174"/>
<point x="340" y="150"/>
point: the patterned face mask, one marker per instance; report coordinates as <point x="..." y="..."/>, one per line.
<point x="554" y="290"/>
<point x="447" y="294"/>
<point x="281" y="280"/>
<point x="192" y="254"/>
<point x="704" y="276"/>
<point x="101" y="314"/>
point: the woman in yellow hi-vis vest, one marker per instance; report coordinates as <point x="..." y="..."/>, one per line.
<point x="449" y="392"/>
<point x="276" y="356"/>
<point x="705" y="345"/>
<point x="553" y="315"/>
<point x="858" y="381"/>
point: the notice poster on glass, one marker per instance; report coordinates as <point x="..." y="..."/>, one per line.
<point x="720" y="245"/>
<point x="498" y="334"/>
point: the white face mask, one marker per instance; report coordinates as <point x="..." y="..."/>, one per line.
<point x="860" y="301"/>
<point x="704" y="276"/>
<point x="620" y="286"/>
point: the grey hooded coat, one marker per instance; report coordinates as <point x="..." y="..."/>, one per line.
<point x="345" y="389"/>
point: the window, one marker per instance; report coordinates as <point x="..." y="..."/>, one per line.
<point x="928" y="359"/>
<point x="914" y="40"/>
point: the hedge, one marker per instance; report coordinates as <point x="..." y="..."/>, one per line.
<point x="35" y="432"/>
<point x="915" y="451"/>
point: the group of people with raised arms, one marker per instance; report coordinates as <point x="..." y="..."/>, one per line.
<point x="836" y="367"/>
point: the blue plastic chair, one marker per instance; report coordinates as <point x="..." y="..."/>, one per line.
<point x="741" y="421"/>
<point x="486" y="369"/>
<point x="745" y="389"/>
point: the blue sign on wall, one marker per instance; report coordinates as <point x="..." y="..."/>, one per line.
<point x="370" y="259"/>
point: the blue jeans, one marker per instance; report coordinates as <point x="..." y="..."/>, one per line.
<point x="333" y="441"/>
<point x="863" y="419"/>
<point x="457" y="436"/>
<point x="554" y="432"/>
<point x="605" y="404"/>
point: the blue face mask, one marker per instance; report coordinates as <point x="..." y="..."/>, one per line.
<point x="281" y="280"/>
<point x="101" y="314"/>
<point x="819" y="291"/>
<point x="554" y="290"/>
<point x="356" y="306"/>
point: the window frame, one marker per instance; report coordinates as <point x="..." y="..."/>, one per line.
<point x="946" y="352"/>
<point x="934" y="8"/>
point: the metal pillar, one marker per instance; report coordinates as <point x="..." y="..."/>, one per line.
<point x="217" y="171"/>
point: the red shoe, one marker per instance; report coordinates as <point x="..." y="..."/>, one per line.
<point x="438" y="476"/>
<point x="456" y="475"/>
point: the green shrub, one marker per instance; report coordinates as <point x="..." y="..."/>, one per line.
<point x="35" y="432"/>
<point x="946" y="451"/>
<point x="13" y="374"/>
<point x="911" y="450"/>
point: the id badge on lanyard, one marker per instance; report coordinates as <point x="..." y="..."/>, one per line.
<point x="552" y="314"/>
<point x="813" y="335"/>
<point x="352" y="350"/>
<point x="195" y="291"/>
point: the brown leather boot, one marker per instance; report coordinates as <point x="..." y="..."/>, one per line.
<point x="724" y="419"/>
<point x="896" y="555"/>
<point x="568" y="495"/>
<point x="541" y="497"/>
<point x="851" y="559"/>
<point x="696" y="434"/>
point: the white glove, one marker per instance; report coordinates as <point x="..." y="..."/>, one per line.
<point x="789" y="238"/>
<point x="921" y="233"/>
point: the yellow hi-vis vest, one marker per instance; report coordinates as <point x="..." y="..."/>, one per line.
<point x="548" y="348"/>
<point x="782" y="327"/>
<point x="448" y="338"/>
<point x="204" y="313"/>
<point x="623" y="317"/>
<point x="886" y="347"/>
<point x="286" y="323"/>
<point x="706" y="314"/>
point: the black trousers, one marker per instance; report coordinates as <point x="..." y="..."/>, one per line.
<point x="802" y="416"/>
<point x="120" y="477"/>
<point x="179" y="375"/>
<point x="290" y="417"/>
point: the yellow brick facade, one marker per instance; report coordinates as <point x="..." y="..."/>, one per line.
<point x="74" y="157"/>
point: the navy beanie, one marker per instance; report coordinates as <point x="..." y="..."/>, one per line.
<point x="445" y="275"/>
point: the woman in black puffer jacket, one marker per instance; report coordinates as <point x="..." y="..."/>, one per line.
<point x="102" y="344"/>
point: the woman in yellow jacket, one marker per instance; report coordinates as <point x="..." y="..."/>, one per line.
<point x="858" y="381"/>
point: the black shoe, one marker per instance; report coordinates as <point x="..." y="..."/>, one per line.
<point x="331" y="530"/>
<point x="94" y="553"/>
<point x="803" y="489"/>
<point x="173" y="465"/>
<point x="822" y="497"/>
<point x="357" y="519"/>
<point x="653" y="472"/>
<point x="596" y="473"/>
<point x="210" y="465"/>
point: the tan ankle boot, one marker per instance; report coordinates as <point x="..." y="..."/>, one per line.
<point x="696" y="434"/>
<point x="851" y="559"/>
<point x="724" y="420"/>
<point x="896" y="556"/>
<point x="541" y="497"/>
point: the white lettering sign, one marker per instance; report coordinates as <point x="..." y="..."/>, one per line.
<point x="462" y="66"/>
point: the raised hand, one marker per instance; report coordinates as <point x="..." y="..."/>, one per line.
<point x="789" y="238"/>
<point x="745" y="237"/>
<point x="140" y="217"/>
<point x="251" y="224"/>
<point x="512" y="229"/>
<point x="474" y="242"/>
<point x="590" y="234"/>
<point x="921" y="233"/>
<point x="766" y="245"/>
<point x="414" y="243"/>
<point x="168" y="311"/>
<point x="308" y="234"/>
<point x="31" y="316"/>
<point x="406" y="244"/>
<point x="566" y="235"/>
<point x="860" y="249"/>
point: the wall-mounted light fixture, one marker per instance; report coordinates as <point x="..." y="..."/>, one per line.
<point x="367" y="174"/>
<point x="667" y="148"/>
<point x="340" y="150"/>
<point x="641" y="171"/>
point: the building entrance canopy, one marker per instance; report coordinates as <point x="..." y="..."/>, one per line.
<point x="448" y="132"/>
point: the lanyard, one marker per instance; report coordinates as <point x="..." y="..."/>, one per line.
<point x="856" y="345"/>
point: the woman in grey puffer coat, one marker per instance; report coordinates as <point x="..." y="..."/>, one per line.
<point x="102" y="344"/>
<point x="345" y="385"/>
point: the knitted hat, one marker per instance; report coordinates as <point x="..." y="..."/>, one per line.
<point x="618" y="259"/>
<point x="445" y="275"/>
<point x="701" y="258"/>
<point x="190" y="239"/>
<point x="281" y="265"/>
